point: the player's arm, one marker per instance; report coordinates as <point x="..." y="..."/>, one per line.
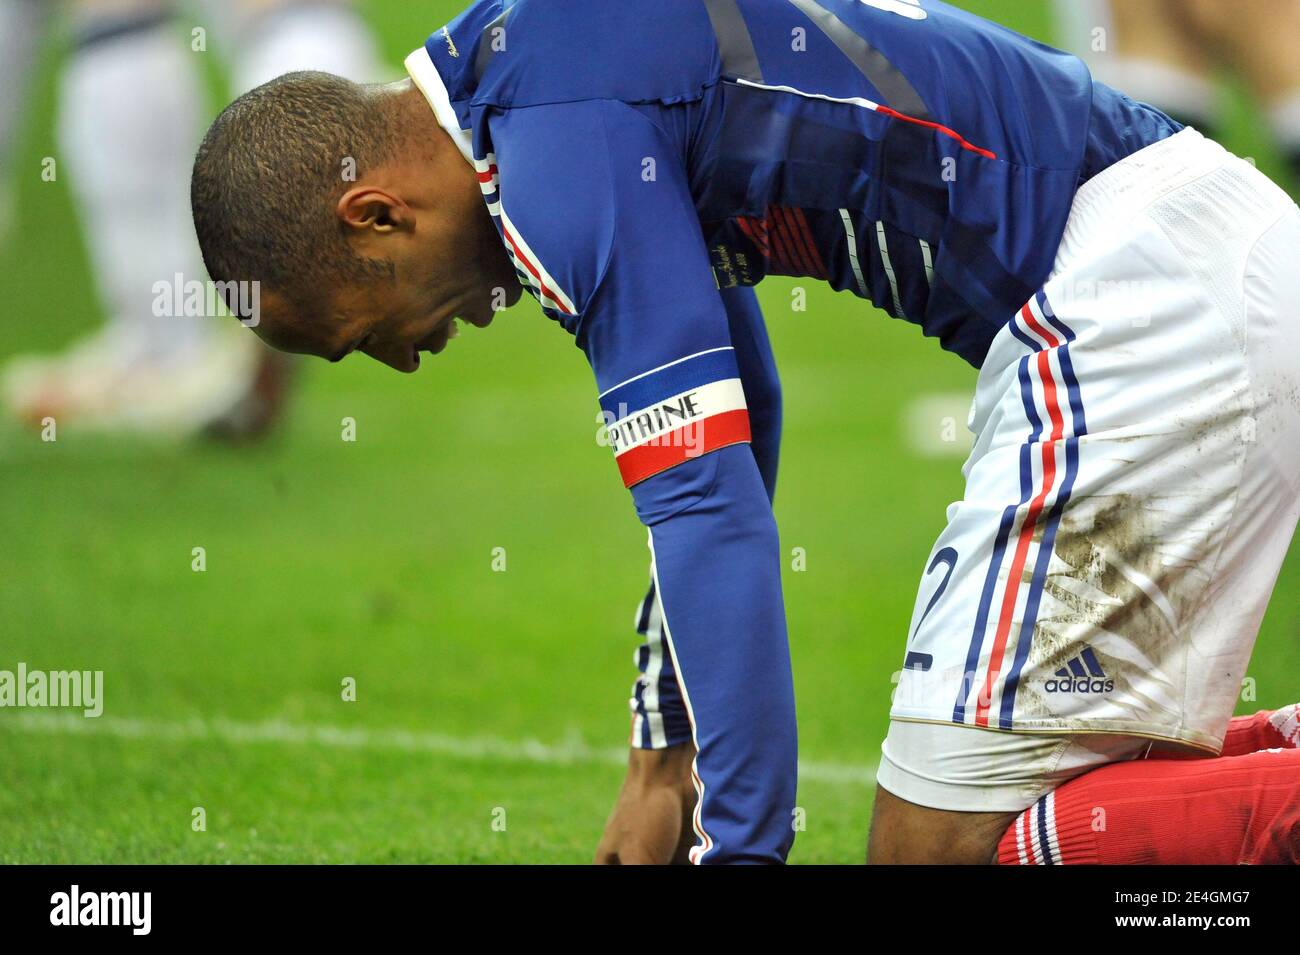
<point x="759" y="376"/>
<point x="652" y="816"/>
<point x="659" y="719"/>
<point x="626" y="255"/>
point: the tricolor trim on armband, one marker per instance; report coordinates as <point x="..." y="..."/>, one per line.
<point x="682" y="410"/>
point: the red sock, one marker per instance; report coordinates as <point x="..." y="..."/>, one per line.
<point x="1267" y="729"/>
<point x="1224" y="811"/>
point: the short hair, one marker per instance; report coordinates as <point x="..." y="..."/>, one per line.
<point x="266" y="179"/>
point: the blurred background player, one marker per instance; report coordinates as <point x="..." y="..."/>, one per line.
<point x="1170" y="53"/>
<point x="131" y="103"/>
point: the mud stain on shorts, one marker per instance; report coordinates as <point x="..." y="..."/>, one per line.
<point x="1114" y="587"/>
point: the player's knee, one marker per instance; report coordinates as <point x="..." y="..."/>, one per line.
<point x="904" y="833"/>
<point x="1209" y="18"/>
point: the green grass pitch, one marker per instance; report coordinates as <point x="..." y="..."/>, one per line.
<point x="490" y="710"/>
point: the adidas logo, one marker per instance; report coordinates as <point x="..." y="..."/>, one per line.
<point x="1082" y="674"/>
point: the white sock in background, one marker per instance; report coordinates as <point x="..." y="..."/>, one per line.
<point x="290" y="35"/>
<point x="130" y="105"/>
<point x="22" y="25"/>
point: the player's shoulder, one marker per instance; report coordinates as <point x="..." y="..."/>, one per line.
<point x="519" y="53"/>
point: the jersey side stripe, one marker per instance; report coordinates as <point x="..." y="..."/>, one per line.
<point x="864" y="103"/>
<point x="700" y="849"/>
<point x="654" y="666"/>
<point x="851" y="240"/>
<point x="895" y="305"/>
<point x="542" y="282"/>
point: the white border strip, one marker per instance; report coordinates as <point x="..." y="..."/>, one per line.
<point x="707" y="351"/>
<point x="426" y="77"/>
<point x="850" y="100"/>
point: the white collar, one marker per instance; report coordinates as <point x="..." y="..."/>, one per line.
<point x="420" y="66"/>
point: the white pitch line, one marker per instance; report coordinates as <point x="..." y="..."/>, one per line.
<point x="340" y="737"/>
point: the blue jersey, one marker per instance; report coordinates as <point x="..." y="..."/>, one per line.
<point x="645" y="162"/>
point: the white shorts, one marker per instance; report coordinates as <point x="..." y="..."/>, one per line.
<point x="1133" y="486"/>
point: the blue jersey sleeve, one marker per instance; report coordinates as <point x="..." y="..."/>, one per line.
<point x="595" y="206"/>
<point x="659" y="717"/>
<point x="758" y="375"/>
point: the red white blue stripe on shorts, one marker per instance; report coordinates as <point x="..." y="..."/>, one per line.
<point x="1049" y="464"/>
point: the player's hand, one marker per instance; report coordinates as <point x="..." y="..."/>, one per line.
<point x="651" y="821"/>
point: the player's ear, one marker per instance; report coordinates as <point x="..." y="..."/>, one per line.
<point x="371" y="209"/>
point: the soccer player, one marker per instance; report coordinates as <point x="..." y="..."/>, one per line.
<point x="130" y="99"/>
<point x="1166" y="51"/>
<point x="1126" y="287"/>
